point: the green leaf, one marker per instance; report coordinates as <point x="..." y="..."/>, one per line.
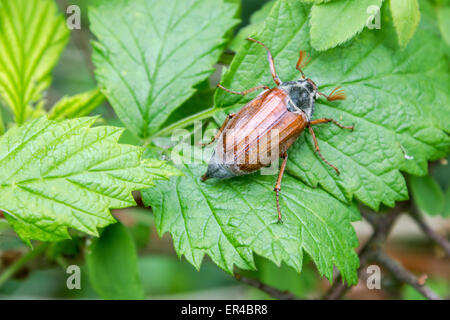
<point x="151" y="53"/>
<point x="79" y="105"/>
<point x="229" y="220"/>
<point x="32" y="36"/>
<point x="336" y="22"/>
<point x="427" y="194"/>
<point x="397" y="100"/>
<point x="444" y="23"/>
<point x="112" y="264"/>
<point x="406" y="16"/>
<point x="60" y="174"/>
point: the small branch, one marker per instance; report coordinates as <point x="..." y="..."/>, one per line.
<point x="17" y="265"/>
<point x="433" y="235"/>
<point x="404" y="275"/>
<point x="271" y="291"/>
<point x="382" y="225"/>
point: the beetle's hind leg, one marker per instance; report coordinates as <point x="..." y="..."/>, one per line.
<point x="224" y="125"/>
<point x="316" y="144"/>
<point x="278" y="185"/>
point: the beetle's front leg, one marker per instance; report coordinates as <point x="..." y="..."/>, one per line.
<point x="316" y="144"/>
<point x="278" y="185"/>
<point x="224" y="125"/>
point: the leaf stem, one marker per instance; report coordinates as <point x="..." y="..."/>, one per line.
<point x="19" y="263"/>
<point x="404" y="275"/>
<point x="433" y="235"/>
<point x="183" y="123"/>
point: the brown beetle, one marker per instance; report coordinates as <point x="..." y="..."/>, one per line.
<point x="245" y="139"/>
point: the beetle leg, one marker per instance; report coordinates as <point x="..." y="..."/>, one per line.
<point x="311" y="131"/>
<point x="243" y="93"/>
<point x="224" y="124"/>
<point x="278" y="185"/>
<point x="326" y="120"/>
<point x="302" y="62"/>
<point x="271" y="62"/>
<point x="336" y="94"/>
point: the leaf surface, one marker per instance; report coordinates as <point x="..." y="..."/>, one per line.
<point x="32" y="37"/>
<point x="428" y="195"/>
<point x="231" y="219"/>
<point x="406" y="15"/>
<point x="444" y="23"/>
<point x="151" y="53"/>
<point x="79" y="105"/>
<point x="56" y="175"/>
<point x="333" y="23"/>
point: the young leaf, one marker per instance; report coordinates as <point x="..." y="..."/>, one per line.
<point x="337" y="21"/>
<point x="427" y="194"/>
<point x="32" y="36"/>
<point x="229" y="220"/>
<point x="79" y="105"/>
<point x="60" y="174"/>
<point x="406" y="16"/>
<point x="397" y="101"/>
<point x="112" y="264"/>
<point x="151" y="53"/>
<point x="444" y="23"/>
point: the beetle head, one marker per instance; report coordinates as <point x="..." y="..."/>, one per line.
<point x="314" y="86"/>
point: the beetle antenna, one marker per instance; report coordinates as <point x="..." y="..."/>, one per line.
<point x="336" y="94"/>
<point x="302" y="62"/>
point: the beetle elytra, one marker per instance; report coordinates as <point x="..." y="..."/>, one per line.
<point x="245" y="137"/>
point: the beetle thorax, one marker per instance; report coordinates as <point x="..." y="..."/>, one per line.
<point x="302" y="95"/>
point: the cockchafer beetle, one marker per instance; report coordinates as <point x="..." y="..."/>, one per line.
<point x="286" y="109"/>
